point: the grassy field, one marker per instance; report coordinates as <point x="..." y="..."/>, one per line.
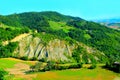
<point x="60" y="25"/>
<point x="79" y="74"/>
<point x="72" y="74"/>
<point x="10" y="62"/>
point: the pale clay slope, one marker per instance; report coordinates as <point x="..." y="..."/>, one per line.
<point x="17" y="38"/>
<point x="34" y="47"/>
<point x="57" y="50"/>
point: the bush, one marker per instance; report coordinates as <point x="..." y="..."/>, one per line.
<point x="2" y="74"/>
<point x="93" y="66"/>
<point x="53" y="66"/>
<point x="6" y="51"/>
<point x="25" y="30"/>
<point x="76" y="53"/>
<point x="50" y="66"/>
<point x="114" y="66"/>
<point x="37" y="67"/>
<point x="43" y="60"/>
<point x="24" y="58"/>
<point x="33" y="59"/>
<point x="78" y="65"/>
<point x="62" y="67"/>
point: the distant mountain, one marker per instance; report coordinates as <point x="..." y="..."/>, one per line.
<point x="111" y="20"/>
<point x="112" y="23"/>
<point x="57" y="37"/>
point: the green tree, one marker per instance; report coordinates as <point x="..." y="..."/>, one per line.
<point x="76" y="53"/>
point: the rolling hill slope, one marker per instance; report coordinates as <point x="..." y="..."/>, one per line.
<point x="61" y="38"/>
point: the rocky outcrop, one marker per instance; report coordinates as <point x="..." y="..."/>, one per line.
<point x="54" y="50"/>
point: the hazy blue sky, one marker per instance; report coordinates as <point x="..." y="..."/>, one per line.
<point x="87" y="9"/>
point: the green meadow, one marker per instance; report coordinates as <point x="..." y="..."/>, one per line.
<point x="84" y="73"/>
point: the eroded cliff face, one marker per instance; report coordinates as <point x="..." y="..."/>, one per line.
<point x="54" y="50"/>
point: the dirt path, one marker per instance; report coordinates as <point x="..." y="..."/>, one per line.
<point x="17" y="38"/>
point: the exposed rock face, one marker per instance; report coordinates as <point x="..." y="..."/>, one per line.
<point x="54" y="50"/>
<point x="34" y="47"/>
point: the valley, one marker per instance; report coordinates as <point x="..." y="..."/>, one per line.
<point x="20" y="66"/>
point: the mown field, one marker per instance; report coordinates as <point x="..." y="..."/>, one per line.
<point x="18" y="67"/>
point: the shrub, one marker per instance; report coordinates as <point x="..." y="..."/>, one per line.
<point x="78" y="65"/>
<point x="43" y="60"/>
<point x="50" y="66"/>
<point x="114" y="66"/>
<point x="37" y="67"/>
<point x="76" y="53"/>
<point x="53" y="66"/>
<point x="25" y="30"/>
<point x="33" y="59"/>
<point x="2" y="74"/>
<point x="24" y="58"/>
<point x="6" y="51"/>
<point x="62" y="67"/>
<point x="93" y="66"/>
<point x="40" y="67"/>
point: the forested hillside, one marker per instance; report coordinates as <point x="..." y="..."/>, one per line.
<point x="70" y="29"/>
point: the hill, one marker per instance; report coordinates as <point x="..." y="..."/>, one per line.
<point x="57" y="37"/>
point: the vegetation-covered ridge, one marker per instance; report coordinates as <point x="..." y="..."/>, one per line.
<point x="72" y="29"/>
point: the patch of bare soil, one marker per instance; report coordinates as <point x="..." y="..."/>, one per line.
<point x="19" y="71"/>
<point x="19" y="68"/>
<point x="17" y="38"/>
